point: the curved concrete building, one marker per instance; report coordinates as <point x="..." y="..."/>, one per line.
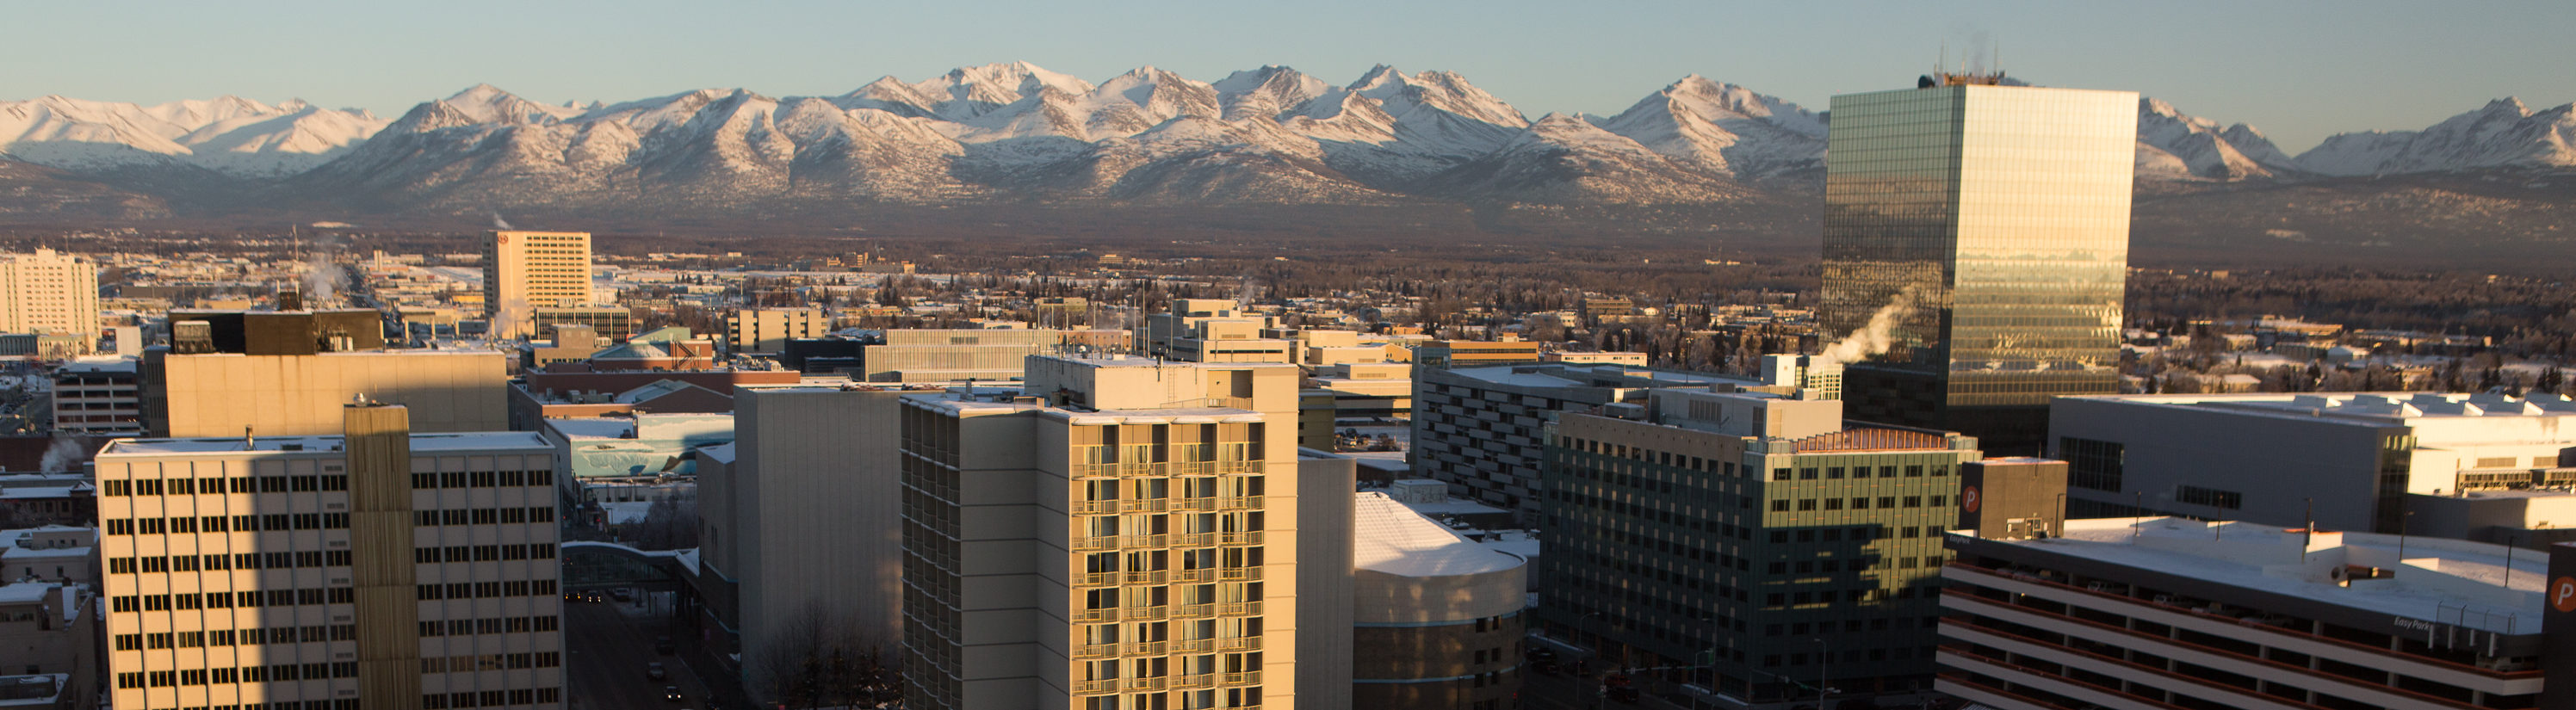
<point x="1437" y="617"/>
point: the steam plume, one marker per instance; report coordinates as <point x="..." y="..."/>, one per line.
<point x="1875" y="337"/>
<point x="60" y="456"/>
<point x="499" y="223"/>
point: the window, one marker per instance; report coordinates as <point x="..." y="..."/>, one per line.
<point x="1780" y="506"/>
<point x="1807" y="473"/>
<point x="2195" y="495"/>
<point x="2092" y="464"/>
<point x="1806" y="504"/>
<point x="1833" y="472"/>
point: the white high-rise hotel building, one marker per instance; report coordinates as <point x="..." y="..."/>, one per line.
<point x="379" y="569"/>
<point x="49" y="292"/>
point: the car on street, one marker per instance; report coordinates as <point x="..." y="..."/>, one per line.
<point x="671" y="693"/>
<point x="655" y="671"/>
<point x="621" y="594"/>
<point x="662" y="645"/>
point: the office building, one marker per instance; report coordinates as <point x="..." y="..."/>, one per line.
<point x="1124" y="535"/>
<point x="226" y="394"/>
<point x="1476" y="353"/>
<point x="2160" y="613"/>
<point x="1478" y="428"/>
<point x="2532" y="519"/>
<point x="1212" y="330"/>
<point x="799" y="524"/>
<point x="765" y="331"/>
<point x="1437" y="618"/>
<point x="49" y="292"/>
<point x="98" y="395"/>
<point x="2272" y="458"/>
<point x="1984" y="228"/>
<point x="615" y="323"/>
<point x="525" y="271"/>
<point x="956" y="355"/>
<point x="1750" y="537"/>
<point x="381" y="568"/>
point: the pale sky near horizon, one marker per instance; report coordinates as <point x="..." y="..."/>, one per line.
<point x="2297" y="70"/>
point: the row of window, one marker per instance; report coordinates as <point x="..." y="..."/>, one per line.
<point x="236" y="484"/>
<point x="493" y="625"/>
<point x="331" y="704"/>
<point x="483" y="553"/>
<point x="1809" y="473"/>
<point x="244" y="674"/>
<point x="481" y="479"/>
<point x="247" y="560"/>
<point x="1781" y="505"/>
<point x="483" y="516"/>
<point x="219" y="524"/>
<point x="229" y="637"/>
<point x="483" y="590"/>
<point x="229" y="600"/>
<point x="490" y="662"/>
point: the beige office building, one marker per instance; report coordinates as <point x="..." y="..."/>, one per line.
<point x="525" y="271"/>
<point x="767" y="330"/>
<point x="1124" y="536"/>
<point x="381" y="569"/>
<point x="219" y="394"/>
<point x="49" y="292"/>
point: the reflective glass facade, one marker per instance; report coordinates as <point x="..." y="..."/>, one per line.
<point x="1999" y="217"/>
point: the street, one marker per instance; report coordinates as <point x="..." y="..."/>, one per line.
<point x="606" y="656"/>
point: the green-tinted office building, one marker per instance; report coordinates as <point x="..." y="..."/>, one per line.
<point x="1744" y="537"/>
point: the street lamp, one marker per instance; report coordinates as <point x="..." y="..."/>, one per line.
<point x="1824" y="673"/>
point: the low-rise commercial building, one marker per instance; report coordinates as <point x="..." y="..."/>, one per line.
<point x="2268" y="457"/>
<point x="2160" y="613"/>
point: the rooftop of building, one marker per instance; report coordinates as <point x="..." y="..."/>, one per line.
<point x="420" y="441"/>
<point x="2359" y="407"/>
<point x="1389" y="538"/>
<point x="1591" y="375"/>
<point x="2435" y="581"/>
<point x="1115" y="361"/>
<point x="99" y="363"/>
<point x="991" y="402"/>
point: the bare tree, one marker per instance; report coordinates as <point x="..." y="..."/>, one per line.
<point x="819" y="658"/>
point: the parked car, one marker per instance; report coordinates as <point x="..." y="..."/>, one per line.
<point x="655" y="671"/>
<point x="662" y="645"/>
<point x="621" y="594"/>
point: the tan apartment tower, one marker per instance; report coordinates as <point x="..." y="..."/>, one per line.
<point x="1121" y="534"/>
<point x="49" y="292"/>
<point x="381" y="569"/>
<point x="525" y="271"/>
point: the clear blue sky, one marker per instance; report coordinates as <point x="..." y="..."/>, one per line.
<point x="2298" y="70"/>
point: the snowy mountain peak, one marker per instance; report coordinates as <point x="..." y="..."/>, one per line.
<point x="1269" y="92"/>
<point x="485" y="103"/>
<point x="966" y="92"/>
<point x="2502" y="134"/>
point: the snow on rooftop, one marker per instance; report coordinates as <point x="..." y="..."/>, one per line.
<point x="420" y="441"/>
<point x="2436" y="579"/>
<point x="1392" y="539"/>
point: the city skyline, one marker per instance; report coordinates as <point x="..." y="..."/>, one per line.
<point x="2298" y="75"/>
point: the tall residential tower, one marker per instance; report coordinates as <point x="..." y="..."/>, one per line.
<point x="1985" y="227"/>
<point x="525" y="271"/>
<point x="1124" y="535"/>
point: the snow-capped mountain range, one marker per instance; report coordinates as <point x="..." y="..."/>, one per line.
<point x="1020" y="132"/>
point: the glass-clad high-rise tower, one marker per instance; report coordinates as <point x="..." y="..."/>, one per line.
<point x="1985" y="228"/>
